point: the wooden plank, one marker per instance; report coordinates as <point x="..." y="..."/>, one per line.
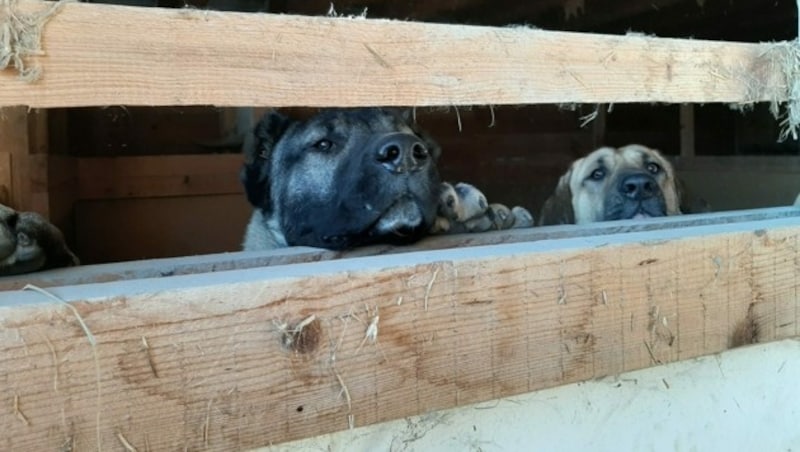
<point x="741" y="182"/>
<point x="761" y="379"/>
<point x="62" y="189"/>
<point x="687" y="130"/>
<point x="158" y="176"/>
<point x="203" y="361"/>
<point x="148" y="228"/>
<point x="24" y="141"/>
<point x="5" y="178"/>
<point x="48" y="194"/>
<point x="97" y="55"/>
<point x="156" y="268"/>
<point x="599" y="127"/>
<point x="14" y="140"/>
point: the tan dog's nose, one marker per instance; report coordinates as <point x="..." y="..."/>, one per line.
<point x="638" y="187"/>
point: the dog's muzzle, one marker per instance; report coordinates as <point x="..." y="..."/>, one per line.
<point x="641" y="196"/>
<point x="403" y="218"/>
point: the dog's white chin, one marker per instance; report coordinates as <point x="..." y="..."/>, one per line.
<point x="403" y="215"/>
<point x="640" y="215"/>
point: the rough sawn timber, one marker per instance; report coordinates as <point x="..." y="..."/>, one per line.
<point x="199" y="361"/>
<point x="97" y="55"/>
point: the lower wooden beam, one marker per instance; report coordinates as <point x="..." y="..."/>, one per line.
<point x="699" y="404"/>
<point x="208" y="263"/>
<point x="247" y="358"/>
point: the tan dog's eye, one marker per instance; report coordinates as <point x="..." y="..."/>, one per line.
<point x="653" y="168"/>
<point x="598" y="174"/>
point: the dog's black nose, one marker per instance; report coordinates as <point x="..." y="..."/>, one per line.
<point x="638" y="187"/>
<point x="402" y="152"/>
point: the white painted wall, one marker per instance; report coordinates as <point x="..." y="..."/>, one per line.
<point x="742" y="400"/>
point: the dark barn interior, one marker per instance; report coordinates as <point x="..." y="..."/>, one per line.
<point x="513" y="153"/>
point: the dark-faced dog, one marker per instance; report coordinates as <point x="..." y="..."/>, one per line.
<point x="341" y="179"/>
<point x="28" y="243"/>
<point x="614" y="184"/>
<point x="352" y="177"/>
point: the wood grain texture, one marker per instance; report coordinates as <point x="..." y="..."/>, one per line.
<point x="204" y="362"/>
<point x="158" y="176"/>
<point x="115" y="55"/>
<point x="15" y="142"/>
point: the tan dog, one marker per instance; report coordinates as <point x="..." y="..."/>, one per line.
<point x="614" y="184"/>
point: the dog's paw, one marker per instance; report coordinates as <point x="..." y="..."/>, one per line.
<point x="440" y="226"/>
<point x="463" y="208"/>
<point x="461" y="202"/>
<point x="522" y="218"/>
<point x="499" y="217"/>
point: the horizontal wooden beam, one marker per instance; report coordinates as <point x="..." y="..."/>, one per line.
<point x="187" y="265"/>
<point x="158" y="176"/>
<point x="99" y="54"/>
<point x="158" y="268"/>
<point x="241" y="359"/>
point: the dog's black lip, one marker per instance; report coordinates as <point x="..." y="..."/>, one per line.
<point x="369" y="229"/>
<point x="404" y="197"/>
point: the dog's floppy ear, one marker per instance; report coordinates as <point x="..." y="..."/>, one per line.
<point x="558" y="207"/>
<point x="257" y="150"/>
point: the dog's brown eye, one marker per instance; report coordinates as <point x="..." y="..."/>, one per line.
<point x="598" y="174"/>
<point x="323" y="145"/>
<point x="653" y="168"/>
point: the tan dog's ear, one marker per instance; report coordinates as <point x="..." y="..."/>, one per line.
<point x="558" y="207"/>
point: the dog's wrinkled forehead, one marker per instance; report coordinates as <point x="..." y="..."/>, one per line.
<point x="346" y="123"/>
<point x="613" y="160"/>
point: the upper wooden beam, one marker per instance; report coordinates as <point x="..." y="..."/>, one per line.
<point x="99" y="54"/>
<point x="240" y="359"/>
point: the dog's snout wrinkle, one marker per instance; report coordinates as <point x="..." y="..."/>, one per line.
<point x="402" y="152"/>
<point x="638" y="187"/>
